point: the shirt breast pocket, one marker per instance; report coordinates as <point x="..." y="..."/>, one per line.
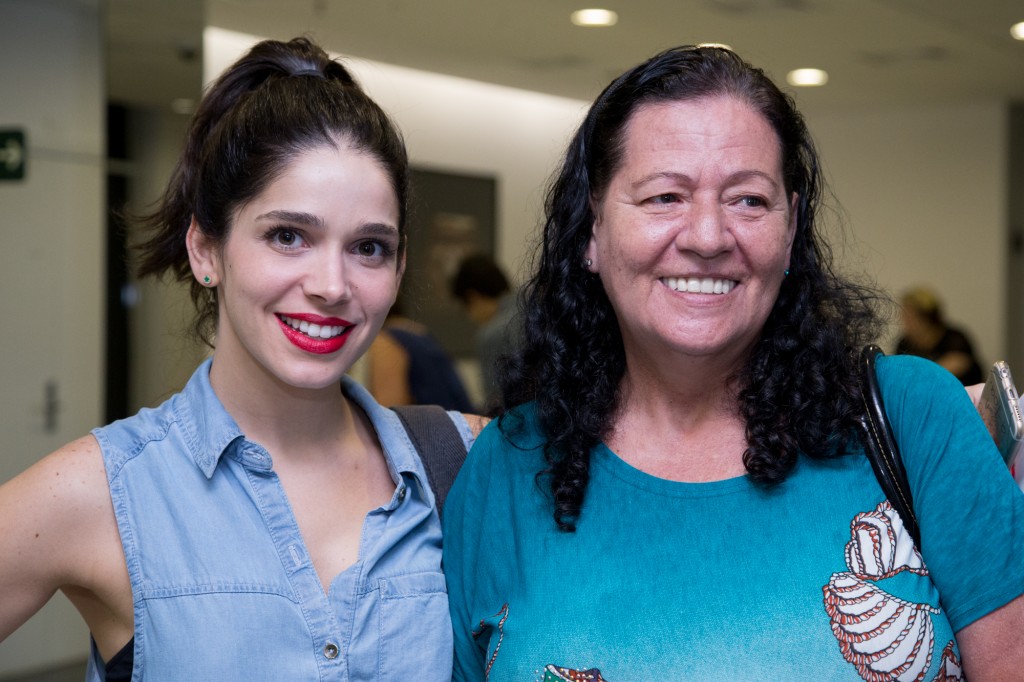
<point x="415" y="627"/>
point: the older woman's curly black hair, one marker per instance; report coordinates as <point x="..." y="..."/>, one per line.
<point x="798" y="390"/>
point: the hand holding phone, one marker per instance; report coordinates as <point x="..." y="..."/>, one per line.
<point x="1001" y="410"/>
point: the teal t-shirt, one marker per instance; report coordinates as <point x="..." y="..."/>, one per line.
<point x="813" y="579"/>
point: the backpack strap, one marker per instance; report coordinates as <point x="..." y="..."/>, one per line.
<point x="439" y="444"/>
<point x="881" y="446"/>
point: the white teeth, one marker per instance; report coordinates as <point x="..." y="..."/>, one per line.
<point x="314" y="330"/>
<point x="706" y="285"/>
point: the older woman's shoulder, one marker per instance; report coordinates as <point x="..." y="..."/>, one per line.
<point x="912" y="368"/>
<point x="918" y="379"/>
<point x="515" y="435"/>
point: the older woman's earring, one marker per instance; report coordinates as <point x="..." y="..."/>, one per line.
<point x="207" y="280"/>
<point x="588" y="262"/>
<point x="786" y="273"/>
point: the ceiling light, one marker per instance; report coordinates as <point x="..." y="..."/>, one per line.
<point x="806" y="78"/>
<point x="594" y="17"/>
<point x="1017" y="31"/>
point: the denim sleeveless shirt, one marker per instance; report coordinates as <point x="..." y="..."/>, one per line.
<point x="222" y="583"/>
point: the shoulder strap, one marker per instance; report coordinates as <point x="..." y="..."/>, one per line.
<point x="882" y="450"/>
<point x="438" y="443"/>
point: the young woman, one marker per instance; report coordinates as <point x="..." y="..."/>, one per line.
<point x="262" y="524"/>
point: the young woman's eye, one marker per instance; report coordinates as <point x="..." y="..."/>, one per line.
<point x="285" y="238"/>
<point x="371" y="248"/>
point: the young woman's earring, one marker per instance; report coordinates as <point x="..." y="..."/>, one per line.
<point x="588" y="262"/>
<point x="207" y="281"/>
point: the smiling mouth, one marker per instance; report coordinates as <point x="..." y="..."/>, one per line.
<point x="314" y="331"/>
<point x="699" y="285"/>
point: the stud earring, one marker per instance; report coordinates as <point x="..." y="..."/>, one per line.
<point x="207" y="280"/>
<point x="589" y="262"/>
<point x="786" y="273"/>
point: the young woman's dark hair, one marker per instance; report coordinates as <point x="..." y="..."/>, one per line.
<point x="248" y="127"/>
<point x="798" y="390"/>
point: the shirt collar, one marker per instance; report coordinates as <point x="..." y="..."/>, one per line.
<point x="210" y="431"/>
<point x="399" y="451"/>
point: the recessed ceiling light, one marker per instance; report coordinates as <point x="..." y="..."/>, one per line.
<point x="594" y="17"/>
<point x="1017" y="30"/>
<point x="807" y="78"/>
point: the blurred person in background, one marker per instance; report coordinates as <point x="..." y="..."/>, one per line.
<point x="927" y="334"/>
<point x="407" y="365"/>
<point x="482" y="288"/>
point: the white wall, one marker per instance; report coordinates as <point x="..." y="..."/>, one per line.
<point x="51" y="264"/>
<point x="925" y="191"/>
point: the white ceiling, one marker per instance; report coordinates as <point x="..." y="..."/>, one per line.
<point x="892" y="51"/>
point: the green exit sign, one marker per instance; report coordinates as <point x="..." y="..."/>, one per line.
<point x="12" y="154"/>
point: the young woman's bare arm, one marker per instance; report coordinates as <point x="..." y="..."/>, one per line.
<point x="57" y="531"/>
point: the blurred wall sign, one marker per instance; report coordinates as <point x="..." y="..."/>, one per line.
<point x="12" y="155"/>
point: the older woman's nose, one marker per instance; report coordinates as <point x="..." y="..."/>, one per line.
<point x="705" y="230"/>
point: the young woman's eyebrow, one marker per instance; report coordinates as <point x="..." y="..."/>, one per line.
<point x="295" y="217"/>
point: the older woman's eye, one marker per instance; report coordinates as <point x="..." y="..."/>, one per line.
<point x="753" y="202"/>
<point x="667" y="198"/>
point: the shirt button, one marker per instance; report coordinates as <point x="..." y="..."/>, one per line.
<point x="331" y="650"/>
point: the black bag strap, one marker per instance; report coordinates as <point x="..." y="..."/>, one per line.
<point x="881" y="446"/>
<point x="438" y="443"/>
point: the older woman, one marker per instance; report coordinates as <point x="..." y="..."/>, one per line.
<point x="677" y="488"/>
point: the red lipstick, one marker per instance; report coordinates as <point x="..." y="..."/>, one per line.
<point x="315" y="344"/>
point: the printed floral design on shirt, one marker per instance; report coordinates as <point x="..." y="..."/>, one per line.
<point x="556" y="673"/>
<point x="884" y="637"/>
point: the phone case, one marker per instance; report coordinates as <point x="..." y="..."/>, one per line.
<point x="1000" y="408"/>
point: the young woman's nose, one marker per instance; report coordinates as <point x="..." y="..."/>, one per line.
<point x="328" y="280"/>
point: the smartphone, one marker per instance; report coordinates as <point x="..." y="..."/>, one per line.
<point x="1000" y="408"/>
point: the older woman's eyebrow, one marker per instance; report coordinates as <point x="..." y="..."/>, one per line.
<point x="683" y="178"/>
<point x="662" y="175"/>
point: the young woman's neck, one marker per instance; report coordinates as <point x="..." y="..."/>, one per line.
<point x="275" y="414"/>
